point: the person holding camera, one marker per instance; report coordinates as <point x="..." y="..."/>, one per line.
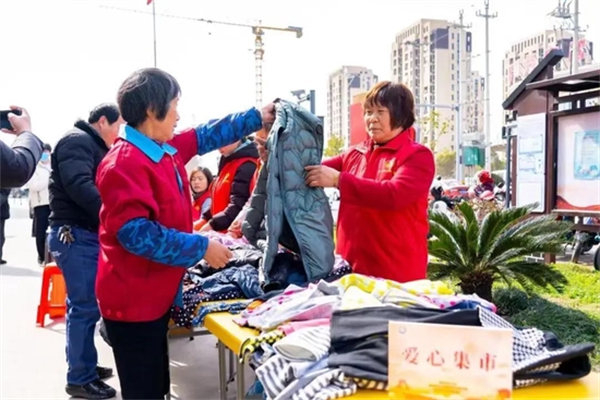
<point x="73" y="241"/>
<point x="18" y="161"/>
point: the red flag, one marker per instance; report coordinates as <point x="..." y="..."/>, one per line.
<point x="148" y="2"/>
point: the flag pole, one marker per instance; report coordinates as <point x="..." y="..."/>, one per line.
<point x="154" y="29"/>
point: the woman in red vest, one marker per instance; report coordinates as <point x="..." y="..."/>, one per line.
<point x="145" y="234"/>
<point x="200" y="180"/>
<point x="233" y="185"/>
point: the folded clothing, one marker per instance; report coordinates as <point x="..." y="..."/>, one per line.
<point x="308" y="344"/>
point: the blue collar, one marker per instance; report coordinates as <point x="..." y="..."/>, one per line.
<point x="154" y="150"/>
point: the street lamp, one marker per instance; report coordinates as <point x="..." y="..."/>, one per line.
<point x="302" y="97"/>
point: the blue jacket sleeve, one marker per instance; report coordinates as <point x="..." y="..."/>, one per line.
<point x="224" y="131"/>
<point x="157" y="243"/>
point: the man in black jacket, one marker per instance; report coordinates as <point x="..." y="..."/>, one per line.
<point x="18" y="161"/>
<point x="73" y="240"/>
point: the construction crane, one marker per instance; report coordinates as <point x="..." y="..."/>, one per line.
<point x="258" y="30"/>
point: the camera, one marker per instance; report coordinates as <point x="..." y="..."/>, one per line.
<point x="4" y="122"/>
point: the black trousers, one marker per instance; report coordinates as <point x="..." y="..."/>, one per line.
<point x="40" y="226"/>
<point x="141" y="355"/>
<point x="2" y="237"/>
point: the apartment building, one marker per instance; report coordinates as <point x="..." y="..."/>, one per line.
<point x="433" y="58"/>
<point x="525" y="55"/>
<point x="344" y="84"/>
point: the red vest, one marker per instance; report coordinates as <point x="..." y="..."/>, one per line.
<point x="221" y="186"/>
<point x="197" y="205"/>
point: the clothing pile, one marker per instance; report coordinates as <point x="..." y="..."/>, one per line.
<point x="240" y="279"/>
<point x="331" y="338"/>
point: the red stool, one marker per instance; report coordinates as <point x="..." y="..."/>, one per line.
<point x="53" y="296"/>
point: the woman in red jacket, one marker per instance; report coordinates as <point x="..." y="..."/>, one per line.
<point x="384" y="182"/>
<point x="146" y="242"/>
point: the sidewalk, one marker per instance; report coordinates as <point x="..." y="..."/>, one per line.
<point x="32" y="359"/>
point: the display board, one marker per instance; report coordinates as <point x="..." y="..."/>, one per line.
<point x="578" y="163"/>
<point x="531" y="160"/>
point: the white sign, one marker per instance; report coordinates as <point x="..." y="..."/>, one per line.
<point x="531" y="160"/>
<point x="449" y="362"/>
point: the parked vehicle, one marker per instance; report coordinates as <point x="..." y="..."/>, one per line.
<point x="457" y="192"/>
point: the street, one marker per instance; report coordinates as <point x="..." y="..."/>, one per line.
<point x="32" y="364"/>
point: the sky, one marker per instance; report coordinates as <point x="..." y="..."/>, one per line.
<point x="60" y="58"/>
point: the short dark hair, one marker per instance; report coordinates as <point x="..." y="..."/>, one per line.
<point x="397" y="98"/>
<point x="108" y="110"/>
<point x="47" y="147"/>
<point x="148" y="89"/>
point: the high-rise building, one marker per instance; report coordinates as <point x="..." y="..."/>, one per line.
<point x="526" y="54"/>
<point x="473" y="108"/>
<point x="433" y="58"/>
<point x="344" y="84"/>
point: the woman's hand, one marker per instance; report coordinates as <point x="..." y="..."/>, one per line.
<point x="321" y="176"/>
<point x="217" y="255"/>
<point x="206" y="227"/>
<point x="235" y="229"/>
<point x="261" y="146"/>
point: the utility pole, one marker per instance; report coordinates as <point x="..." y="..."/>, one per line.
<point x="458" y="115"/>
<point x="563" y="11"/>
<point x="154" y="29"/>
<point x="575" y="51"/>
<point x="486" y="14"/>
<point x="418" y="91"/>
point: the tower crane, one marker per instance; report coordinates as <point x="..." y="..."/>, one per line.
<point x="258" y="30"/>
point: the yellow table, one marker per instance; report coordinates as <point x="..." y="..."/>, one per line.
<point x="231" y="336"/>
<point x="587" y="388"/>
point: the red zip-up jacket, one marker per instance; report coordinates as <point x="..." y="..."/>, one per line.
<point x="382" y="222"/>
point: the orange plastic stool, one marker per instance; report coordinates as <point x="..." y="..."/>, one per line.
<point x="53" y="296"/>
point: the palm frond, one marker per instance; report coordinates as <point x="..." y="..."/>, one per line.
<point x="494" y="223"/>
<point x="437" y="270"/>
<point x="443" y="245"/>
<point x="541" y="274"/>
<point x="454" y="227"/>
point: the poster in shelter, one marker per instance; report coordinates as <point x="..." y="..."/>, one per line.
<point x="578" y="163"/>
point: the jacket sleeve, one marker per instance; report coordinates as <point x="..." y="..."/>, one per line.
<point x="153" y="241"/>
<point x="410" y="183"/>
<point x="18" y="162"/>
<point x="76" y="169"/>
<point x="224" y="131"/>
<point x="334" y="162"/>
<point x="253" y="226"/>
<point x="240" y="193"/>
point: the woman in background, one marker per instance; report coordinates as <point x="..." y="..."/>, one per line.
<point x="39" y="201"/>
<point x="200" y="180"/>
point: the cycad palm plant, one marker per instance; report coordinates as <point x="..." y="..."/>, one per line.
<point x="478" y="253"/>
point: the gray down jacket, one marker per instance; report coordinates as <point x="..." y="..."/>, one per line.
<point x="297" y="216"/>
